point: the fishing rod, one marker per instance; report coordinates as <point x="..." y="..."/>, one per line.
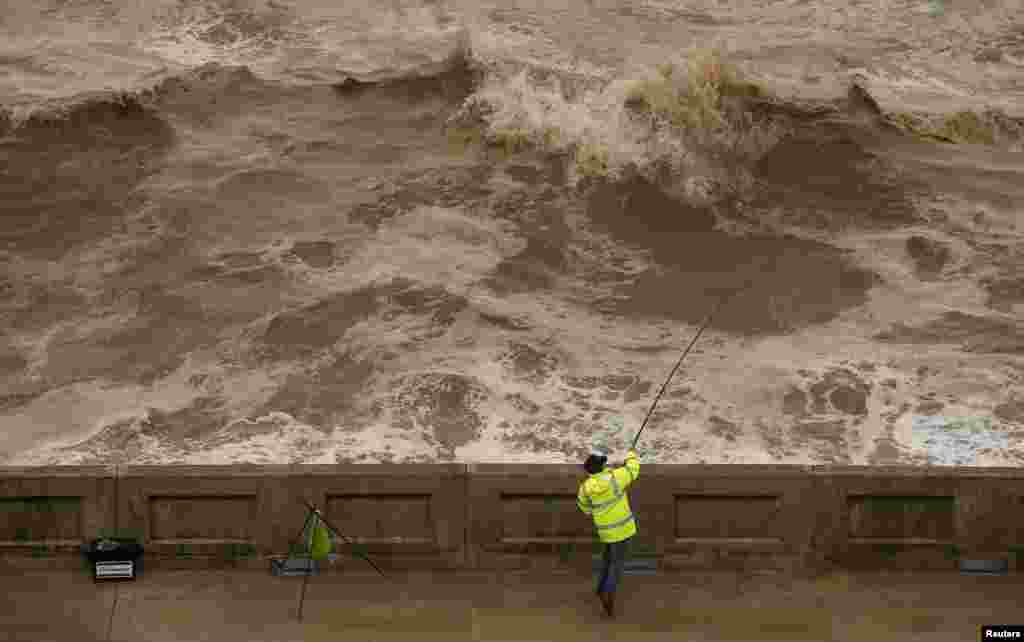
<point x="700" y="331"/>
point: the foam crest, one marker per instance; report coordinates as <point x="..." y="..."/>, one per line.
<point x="598" y="124"/>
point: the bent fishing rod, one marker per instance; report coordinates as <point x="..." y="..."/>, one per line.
<point x="700" y="331"/>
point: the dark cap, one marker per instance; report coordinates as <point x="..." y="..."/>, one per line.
<point x="595" y="463"/>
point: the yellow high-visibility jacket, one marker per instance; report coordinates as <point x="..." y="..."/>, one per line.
<point x="603" y="495"/>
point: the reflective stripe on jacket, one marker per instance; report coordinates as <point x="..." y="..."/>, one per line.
<point x="603" y="495"/>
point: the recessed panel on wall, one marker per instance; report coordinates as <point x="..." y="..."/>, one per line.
<point x="720" y="517"/>
<point x="536" y="517"/>
<point x="901" y="517"/>
<point x="202" y="517"/>
<point x="36" y="519"/>
<point x="383" y="518"/>
<point x="1015" y="519"/>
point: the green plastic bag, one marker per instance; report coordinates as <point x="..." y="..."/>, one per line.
<point x="321" y="545"/>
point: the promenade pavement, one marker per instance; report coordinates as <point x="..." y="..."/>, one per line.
<point x="251" y="606"/>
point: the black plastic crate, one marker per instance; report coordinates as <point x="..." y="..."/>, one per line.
<point x="294" y="567"/>
<point x="114" y="559"/>
<point x="638" y="566"/>
<point x="985" y="567"/>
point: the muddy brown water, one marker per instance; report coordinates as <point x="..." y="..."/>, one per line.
<point x="784" y="283"/>
<point x="268" y="249"/>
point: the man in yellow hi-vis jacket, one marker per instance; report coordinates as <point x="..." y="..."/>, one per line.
<point x="603" y="495"/>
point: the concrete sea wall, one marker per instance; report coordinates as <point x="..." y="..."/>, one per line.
<point x="495" y="516"/>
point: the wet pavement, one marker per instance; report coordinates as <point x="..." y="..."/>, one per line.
<point x="250" y="605"/>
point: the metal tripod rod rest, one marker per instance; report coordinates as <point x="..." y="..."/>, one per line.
<point x="328" y="525"/>
<point x="294" y="540"/>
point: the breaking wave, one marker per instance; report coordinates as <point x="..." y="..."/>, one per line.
<point x="224" y="53"/>
<point x="600" y="128"/>
<point x="212" y="82"/>
<point x="74" y="115"/>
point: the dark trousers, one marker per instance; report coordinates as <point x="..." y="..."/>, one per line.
<point x="613" y="566"/>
